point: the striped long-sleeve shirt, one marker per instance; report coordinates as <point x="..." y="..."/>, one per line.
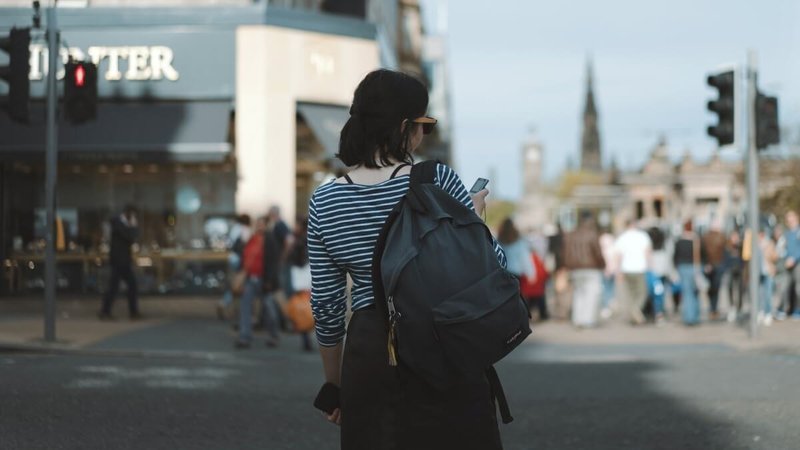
<point x="343" y="227"/>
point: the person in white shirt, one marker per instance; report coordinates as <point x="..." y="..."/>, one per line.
<point x="633" y="249"/>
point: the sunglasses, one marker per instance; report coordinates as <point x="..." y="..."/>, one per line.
<point x="427" y="124"/>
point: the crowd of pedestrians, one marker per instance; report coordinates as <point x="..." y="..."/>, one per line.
<point x="268" y="267"/>
<point x="585" y="275"/>
<point x="654" y="274"/>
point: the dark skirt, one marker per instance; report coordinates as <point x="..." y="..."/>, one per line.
<point x="385" y="407"/>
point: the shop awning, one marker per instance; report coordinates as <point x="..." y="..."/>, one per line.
<point x="182" y="131"/>
<point x="326" y="121"/>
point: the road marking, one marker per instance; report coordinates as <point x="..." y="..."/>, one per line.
<point x="200" y="378"/>
<point x="91" y="383"/>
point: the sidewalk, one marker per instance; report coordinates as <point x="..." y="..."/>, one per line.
<point x="780" y="336"/>
<point x="77" y="325"/>
<point x="189" y="325"/>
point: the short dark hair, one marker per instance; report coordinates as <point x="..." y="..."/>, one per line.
<point x="586" y="218"/>
<point x="243" y="219"/>
<point x="508" y="233"/>
<point x="657" y="237"/>
<point x="381" y="102"/>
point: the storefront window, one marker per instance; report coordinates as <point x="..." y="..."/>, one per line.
<point x="184" y="211"/>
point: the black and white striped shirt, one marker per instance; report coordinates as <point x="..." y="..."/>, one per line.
<point x="343" y="227"/>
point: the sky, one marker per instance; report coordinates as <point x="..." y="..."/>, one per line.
<point x="518" y="65"/>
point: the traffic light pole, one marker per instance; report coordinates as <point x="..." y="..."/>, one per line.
<point x="51" y="159"/>
<point x="752" y="193"/>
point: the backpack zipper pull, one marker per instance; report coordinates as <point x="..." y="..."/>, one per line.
<point x="392" y="344"/>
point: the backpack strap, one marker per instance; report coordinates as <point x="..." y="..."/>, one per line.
<point x="498" y="396"/>
<point x="424" y="172"/>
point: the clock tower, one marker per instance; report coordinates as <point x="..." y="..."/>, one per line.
<point x="532" y="165"/>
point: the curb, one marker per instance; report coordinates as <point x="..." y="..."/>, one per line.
<point x="63" y="349"/>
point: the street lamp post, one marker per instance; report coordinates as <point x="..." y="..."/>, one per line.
<point x="51" y="160"/>
<point x="752" y="192"/>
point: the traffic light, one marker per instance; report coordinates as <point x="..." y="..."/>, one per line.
<point x="17" y="45"/>
<point x="767" y="130"/>
<point x="80" y="91"/>
<point x="724" y="107"/>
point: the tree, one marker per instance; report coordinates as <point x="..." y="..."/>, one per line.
<point x="787" y="198"/>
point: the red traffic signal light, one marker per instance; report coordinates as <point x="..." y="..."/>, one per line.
<point x="80" y="76"/>
<point x="80" y="92"/>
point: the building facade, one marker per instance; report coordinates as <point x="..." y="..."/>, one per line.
<point x="667" y="193"/>
<point x="204" y="113"/>
<point x="664" y="192"/>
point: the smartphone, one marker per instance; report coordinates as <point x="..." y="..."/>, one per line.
<point x="479" y="185"/>
<point x="328" y="398"/>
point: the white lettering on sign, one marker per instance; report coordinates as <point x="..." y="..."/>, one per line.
<point x="96" y="54"/>
<point x="114" y="54"/>
<point x="323" y="64"/>
<point x="135" y="63"/>
<point x="161" y="63"/>
<point x="138" y="64"/>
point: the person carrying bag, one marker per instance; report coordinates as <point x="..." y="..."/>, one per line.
<point x="382" y="396"/>
<point x="298" y="308"/>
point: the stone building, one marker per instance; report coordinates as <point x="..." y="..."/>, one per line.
<point x="664" y="192"/>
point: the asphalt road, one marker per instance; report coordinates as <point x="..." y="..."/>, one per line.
<point x="562" y="396"/>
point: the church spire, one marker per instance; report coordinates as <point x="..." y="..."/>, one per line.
<point x="589" y="107"/>
<point x="590" y="137"/>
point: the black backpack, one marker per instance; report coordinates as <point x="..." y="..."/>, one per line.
<point x="452" y="310"/>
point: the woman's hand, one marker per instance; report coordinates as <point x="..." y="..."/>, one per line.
<point x="479" y="200"/>
<point x="336" y="417"/>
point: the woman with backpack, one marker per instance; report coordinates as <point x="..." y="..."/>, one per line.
<point x="382" y="406"/>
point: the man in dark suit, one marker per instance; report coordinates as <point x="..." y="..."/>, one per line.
<point x="124" y="231"/>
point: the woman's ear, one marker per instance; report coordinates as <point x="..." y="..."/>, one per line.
<point x="403" y="125"/>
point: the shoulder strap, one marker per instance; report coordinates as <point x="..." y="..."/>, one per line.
<point x="394" y="174"/>
<point x="424" y="172"/>
<point x="397" y="169"/>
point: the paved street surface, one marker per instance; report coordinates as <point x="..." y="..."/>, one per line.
<point x="174" y="382"/>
